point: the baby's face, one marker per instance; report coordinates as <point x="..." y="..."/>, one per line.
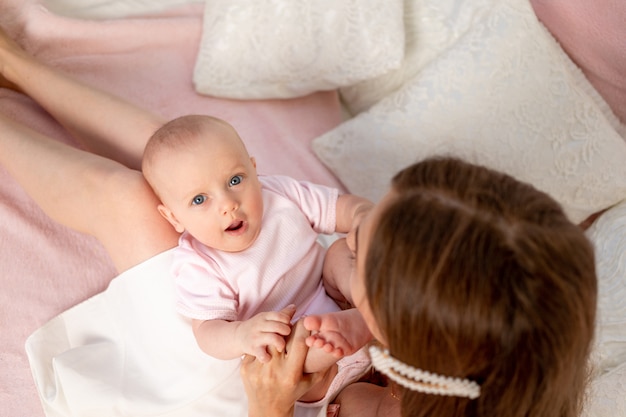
<point x="213" y="192"/>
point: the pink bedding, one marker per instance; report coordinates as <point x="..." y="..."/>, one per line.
<point x="46" y="268"/>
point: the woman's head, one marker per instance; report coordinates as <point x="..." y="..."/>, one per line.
<point x="469" y="273"/>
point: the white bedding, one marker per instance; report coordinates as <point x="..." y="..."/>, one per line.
<point x="127" y="352"/>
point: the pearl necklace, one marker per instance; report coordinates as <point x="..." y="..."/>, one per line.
<point x="419" y="380"/>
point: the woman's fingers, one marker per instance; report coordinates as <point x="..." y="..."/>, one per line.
<point x="296" y="346"/>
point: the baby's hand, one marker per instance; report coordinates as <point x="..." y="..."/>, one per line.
<point x="265" y="329"/>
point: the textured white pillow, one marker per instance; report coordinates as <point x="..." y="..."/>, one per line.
<point x="110" y="9"/>
<point x="608" y="235"/>
<point x="289" y="48"/>
<point x="607" y="393"/>
<point x="430" y="27"/>
<point x="505" y="95"/>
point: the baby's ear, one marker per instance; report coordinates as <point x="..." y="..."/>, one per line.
<point x="253" y="161"/>
<point x="169" y="216"/>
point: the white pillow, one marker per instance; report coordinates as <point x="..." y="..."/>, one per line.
<point x="608" y="235"/>
<point x="110" y="9"/>
<point x="607" y="393"/>
<point x="504" y="95"/>
<point x="289" y="48"/>
<point x="430" y="27"/>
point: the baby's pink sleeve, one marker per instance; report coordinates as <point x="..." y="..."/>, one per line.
<point x="201" y="293"/>
<point x="317" y="202"/>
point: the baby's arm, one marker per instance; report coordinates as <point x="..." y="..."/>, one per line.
<point x="223" y="339"/>
<point x="350" y="210"/>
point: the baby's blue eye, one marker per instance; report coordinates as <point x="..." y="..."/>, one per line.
<point x="235" y="180"/>
<point x="197" y="200"/>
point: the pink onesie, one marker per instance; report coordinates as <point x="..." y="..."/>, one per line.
<point x="283" y="266"/>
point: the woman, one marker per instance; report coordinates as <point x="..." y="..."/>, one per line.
<point x="462" y="272"/>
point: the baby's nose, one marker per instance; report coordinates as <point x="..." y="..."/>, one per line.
<point x="229" y="205"/>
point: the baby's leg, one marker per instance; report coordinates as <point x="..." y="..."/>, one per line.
<point x="338" y="268"/>
<point x="319" y="390"/>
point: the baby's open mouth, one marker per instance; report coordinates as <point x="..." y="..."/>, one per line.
<point x="235" y="226"/>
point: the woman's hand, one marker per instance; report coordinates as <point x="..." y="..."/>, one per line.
<point x="274" y="387"/>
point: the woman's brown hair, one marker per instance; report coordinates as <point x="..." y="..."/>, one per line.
<point x="473" y="274"/>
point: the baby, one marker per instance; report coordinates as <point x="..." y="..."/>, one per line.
<point x="248" y="260"/>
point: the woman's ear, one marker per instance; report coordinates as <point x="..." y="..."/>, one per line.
<point x="169" y="216"/>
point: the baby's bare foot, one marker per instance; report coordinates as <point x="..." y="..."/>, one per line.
<point x="341" y="333"/>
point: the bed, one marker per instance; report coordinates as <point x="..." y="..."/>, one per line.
<point x="314" y="97"/>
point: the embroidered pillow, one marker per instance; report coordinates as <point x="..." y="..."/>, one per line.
<point x="606" y="392"/>
<point x="504" y="95"/>
<point x="285" y="48"/>
<point x="608" y="235"/>
<point x="430" y="27"/>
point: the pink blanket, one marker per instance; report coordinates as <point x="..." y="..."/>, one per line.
<point x="46" y="268"/>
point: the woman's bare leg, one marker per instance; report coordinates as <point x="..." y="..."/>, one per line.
<point x="88" y="193"/>
<point x="105" y="124"/>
